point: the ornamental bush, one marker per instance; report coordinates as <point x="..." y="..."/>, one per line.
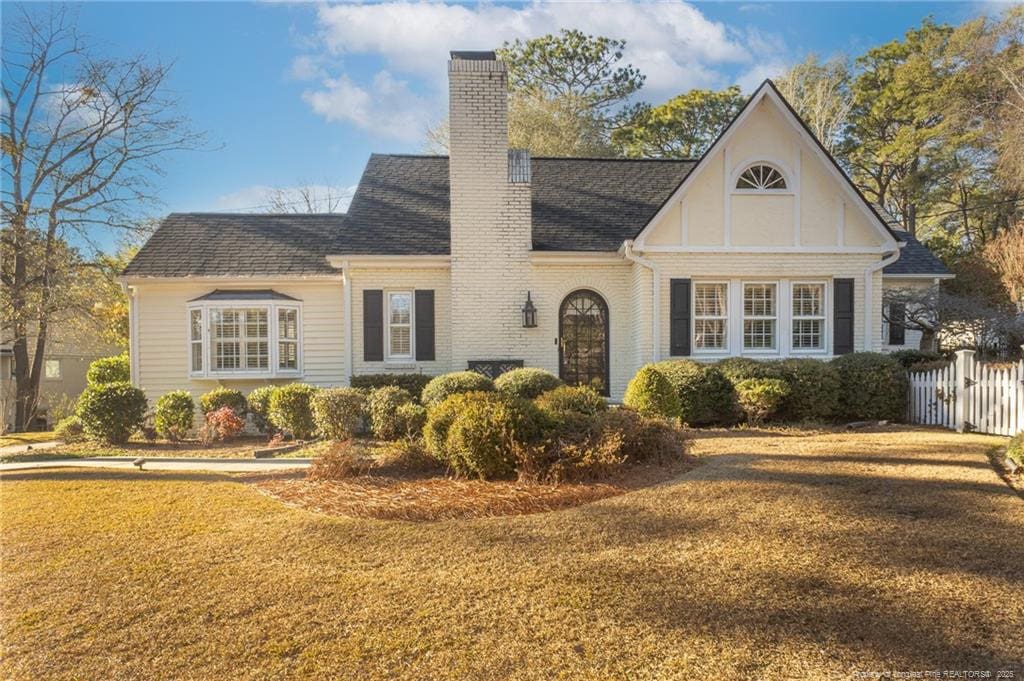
<point x="290" y="409"/>
<point x="650" y="394"/>
<point x="446" y="385"/>
<point x="528" y="383"/>
<point x="871" y="386"/>
<point x="572" y="399"/>
<point x="759" y="398"/>
<point x="813" y="390"/>
<point x="411" y="419"/>
<point x="175" y="412"/>
<point x="705" y="395"/>
<point x="223" y="397"/>
<point x="220" y="425"/>
<point x="382" y="406"/>
<point x="116" y="369"/>
<point x="484" y="436"/>
<point x="69" y="429"/>
<point x="414" y="383"/>
<point x="440" y="418"/>
<point x="338" y="412"/>
<point x="111" y="411"/>
<point x="738" y="369"/>
<point x="258" y="404"/>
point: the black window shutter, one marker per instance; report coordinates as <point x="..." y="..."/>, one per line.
<point x="424" y="326"/>
<point x="679" y="317"/>
<point x="897" y="332"/>
<point x="373" y="325"/>
<point x="842" y="334"/>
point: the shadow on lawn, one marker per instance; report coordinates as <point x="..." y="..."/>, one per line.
<point x="108" y="474"/>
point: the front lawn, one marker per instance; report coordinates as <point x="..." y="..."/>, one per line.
<point x="31" y="438"/>
<point x="237" y="448"/>
<point x="785" y="554"/>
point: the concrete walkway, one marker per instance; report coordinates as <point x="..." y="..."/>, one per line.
<point x="163" y="464"/>
<point x="33" y="446"/>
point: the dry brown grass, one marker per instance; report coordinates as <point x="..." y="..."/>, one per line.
<point x="11" y="439"/>
<point x="237" y="448"/>
<point x="782" y="556"/>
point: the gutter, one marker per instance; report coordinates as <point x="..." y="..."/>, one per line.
<point x="869" y="293"/>
<point x="629" y="254"/>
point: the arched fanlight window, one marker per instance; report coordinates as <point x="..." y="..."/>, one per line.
<point x="761" y="177"/>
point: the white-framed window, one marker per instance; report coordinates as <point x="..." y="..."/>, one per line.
<point x="761" y="177"/>
<point x="51" y="369"/>
<point x="710" y="316"/>
<point x="244" y="338"/>
<point x="808" y="316"/>
<point x="399" y="322"/>
<point x="760" y="316"/>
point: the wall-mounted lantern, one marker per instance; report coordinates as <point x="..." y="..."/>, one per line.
<point x="529" y="313"/>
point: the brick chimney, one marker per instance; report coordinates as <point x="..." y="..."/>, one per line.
<point x="490" y="214"/>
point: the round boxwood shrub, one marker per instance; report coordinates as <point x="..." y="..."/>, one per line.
<point x="572" y="399"/>
<point x="69" y="429"/>
<point x="484" y="436"/>
<point x="871" y="386"/>
<point x="527" y="383"/>
<point x="759" y="398"/>
<point x="705" y="395"/>
<point x="650" y="394"/>
<point x="290" y="409"/>
<point x="258" y="404"/>
<point x="440" y="418"/>
<point x="813" y="390"/>
<point x="174" y="414"/>
<point x="446" y="385"/>
<point x="116" y="369"/>
<point x="738" y="369"/>
<point x="383" y="407"/>
<point x="411" y="419"/>
<point x="223" y="397"/>
<point x="338" y="412"/>
<point x="111" y="411"/>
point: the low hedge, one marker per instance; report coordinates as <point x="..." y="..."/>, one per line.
<point x="291" y="411"/>
<point x="413" y="383"/>
<point x="528" y="383"/>
<point x="175" y="412"/>
<point x="572" y="399"/>
<point x="442" y="387"/>
<point x="813" y="390"/>
<point x="738" y="369"/>
<point x="111" y="411"/>
<point x="223" y="397"/>
<point x="759" y="398"/>
<point x="338" y="412"/>
<point x="871" y="386"/>
<point x="649" y="393"/>
<point x="910" y="357"/>
<point x="116" y="369"/>
<point x="258" y="404"/>
<point x="705" y="395"/>
<point x="383" y="405"/>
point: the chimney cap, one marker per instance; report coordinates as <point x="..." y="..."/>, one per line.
<point x="474" y="55"/>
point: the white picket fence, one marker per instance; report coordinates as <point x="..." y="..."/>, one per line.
<point x="969" y="395"/>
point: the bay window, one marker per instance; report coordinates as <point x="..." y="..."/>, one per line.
<point x="759" y="316"/>
<point x="243" y="337"/>
<point x="808" y="317"/>
<point x="710" y="316"/>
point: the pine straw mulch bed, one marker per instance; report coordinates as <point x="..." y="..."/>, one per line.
<point x="421" y="497"/>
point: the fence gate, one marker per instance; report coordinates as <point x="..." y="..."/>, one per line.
<point x="969" y="396"/>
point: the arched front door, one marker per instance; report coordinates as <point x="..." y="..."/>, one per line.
<point x="583" y="340"/>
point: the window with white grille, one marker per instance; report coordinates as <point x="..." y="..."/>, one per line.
<point x="710" y="316"/>
<point x="808" y="316"/>
<point x="248" y="339"/>
<point x="759" y="316"/>
<point x="400" y="325"/>
<point x="761" y="177"/>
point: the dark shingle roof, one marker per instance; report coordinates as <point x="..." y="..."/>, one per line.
<point x="915" y="257"/>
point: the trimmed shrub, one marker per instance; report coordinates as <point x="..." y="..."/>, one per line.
<point x="340" y="461"/>
<point x="871" y="386"/>
<point x="290" y="409"/>
<point x="572" y="399"/>
<point x="69" y="429"/>
<point x="528" y="383"/>
<point x="644" y="439"/>
<point x="483" y="439"/>
<point x="220" y="425"/>
<point x="759" y="398"/>
<point x="446" y="385"/>
<point x="813" y="390"/>
<point x="910" y="357"/>
<point x="338" y="412"/>
<point x="116" y="369"/>
<point x="1015" y="450"/>
<point x="411" y="419"/>
<point x="650" y="394"/>
<point x="383" y="407"/>
<point x="258" y="404"/>
<point x="440" y="418"/>
<point x="223" y="397"/>
<point x="406" y="455"/>
<point x="705" y="394"/>
<point x="413" y="383"/>
<point x="738" y="369"/>
<point x="175" y="412"/>
<point x="111" y="411"/>
<point x="930" y="366"/>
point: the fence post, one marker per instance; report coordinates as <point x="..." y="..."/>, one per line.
<point x="964" y="363"/>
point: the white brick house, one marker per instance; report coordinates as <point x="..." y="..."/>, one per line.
<point x="761" y="248"/>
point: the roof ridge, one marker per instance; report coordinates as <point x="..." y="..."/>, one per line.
<point x="230" y="214"/>
<point x="613" y="158"/>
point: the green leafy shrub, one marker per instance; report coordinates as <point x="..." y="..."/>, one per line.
<point x="910" y="357"/>
<point x="1015" y="450"/>
<point x="111" y="411"/>
<point x="413" y="383"/>
<point x="484" y="436"/>
<point x="338" y="412"/>
<point x="340" y="461"/>
<point x="649" y="393"/>
<point x="759" y="398"/>
<point x="290" y="409"/>
<point x="69" y="429"/>
<point x="575" y="399"/>
<point x="411" y="419"/>
<point x="220" y="425"/>
<point x="738" y="369"/>
<point x="175" y="412"/>
<point x="440" y="418"/>
<point x="383" y="407"/>
<point x="223" y="397"/>
<point x="871" y="386"/>
<point x="406" y="455"/>
<point x="116" y="369"/>
<point x="446" y="385"/>
<point x="930" y="366"/>
<point x="813" y="390"/>
<point x="258" y="404"/>
<point x="705" y="395"/>
<point x="527" y="383"/>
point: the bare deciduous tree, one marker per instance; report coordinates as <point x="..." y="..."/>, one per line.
<point x="1006" y="254"/>
<point x="308" y="198"/>
<point x="820" y="92"/>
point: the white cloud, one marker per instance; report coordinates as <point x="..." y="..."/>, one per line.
<point x="750" y="79"/>
<point x="257" y="197"/>
<point x="387" y="108"/>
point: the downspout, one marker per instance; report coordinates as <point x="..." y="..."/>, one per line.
<point x="627" y="251"/>
<point x="869" y="293"/>
<point x="133" y="332"/>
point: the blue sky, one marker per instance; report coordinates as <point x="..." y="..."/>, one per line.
<point x="297" y="93"/>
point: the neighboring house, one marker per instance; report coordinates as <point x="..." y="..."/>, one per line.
<point x="489" y="259"/>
